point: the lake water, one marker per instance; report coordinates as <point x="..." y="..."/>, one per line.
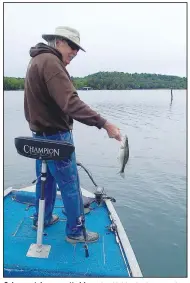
<point x="151" y="200"/>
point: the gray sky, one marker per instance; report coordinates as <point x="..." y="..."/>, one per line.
<point x="127" y="37"/>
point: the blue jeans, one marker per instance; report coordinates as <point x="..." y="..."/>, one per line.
<point x="64" y="173"/>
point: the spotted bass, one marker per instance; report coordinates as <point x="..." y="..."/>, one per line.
<point x="123" y="155"/>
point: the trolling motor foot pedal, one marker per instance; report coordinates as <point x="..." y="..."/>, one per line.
<point x="38" y="250"/>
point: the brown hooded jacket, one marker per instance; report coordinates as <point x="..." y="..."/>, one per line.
<point x="50" y="99"/>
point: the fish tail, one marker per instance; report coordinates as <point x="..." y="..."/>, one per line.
<point x="122" y="174"/>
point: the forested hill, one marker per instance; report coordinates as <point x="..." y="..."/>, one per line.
<point x="114" y="80"/>
<point x="120" y="80"/>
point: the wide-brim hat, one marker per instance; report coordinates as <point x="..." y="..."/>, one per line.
<point x="65" y="33"/>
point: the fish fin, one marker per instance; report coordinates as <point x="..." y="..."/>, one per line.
<point x="122" y="175"/>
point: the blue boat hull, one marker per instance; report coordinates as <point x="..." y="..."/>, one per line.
<point x="64" y="260"/>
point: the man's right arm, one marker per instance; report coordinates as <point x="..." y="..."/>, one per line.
<point x="63" y="92"/>
<point x="65" y="95"/>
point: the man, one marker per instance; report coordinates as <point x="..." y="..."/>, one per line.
<point x="51" y="103"/>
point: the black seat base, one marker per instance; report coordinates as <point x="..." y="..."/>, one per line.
<point x="43" y="149"/>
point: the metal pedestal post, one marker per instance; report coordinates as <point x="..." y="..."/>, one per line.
<point x="39" y="250"/>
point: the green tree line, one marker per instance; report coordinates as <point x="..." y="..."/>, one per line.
<point x="114" y="80"/>
<point x="120" y="80"/>
<point x="10" y="83"/>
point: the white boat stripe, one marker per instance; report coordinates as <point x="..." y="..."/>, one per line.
<point x="135" y="269"/>
<point x="104" y="254"/>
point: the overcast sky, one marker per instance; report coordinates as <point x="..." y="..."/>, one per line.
<point x="127" y="37"/>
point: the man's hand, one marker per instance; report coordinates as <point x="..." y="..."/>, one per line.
<point x="113" y="131"/>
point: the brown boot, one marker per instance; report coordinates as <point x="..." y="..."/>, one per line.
<point x="54" y="219"/>
<point x="90" y="238"/>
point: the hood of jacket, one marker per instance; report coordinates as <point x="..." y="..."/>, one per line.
<point x="43" y="48"/>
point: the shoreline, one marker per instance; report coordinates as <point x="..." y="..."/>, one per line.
<point x="113" y="89"/>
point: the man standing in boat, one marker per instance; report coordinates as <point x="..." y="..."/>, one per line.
<point x="51" y="103"/>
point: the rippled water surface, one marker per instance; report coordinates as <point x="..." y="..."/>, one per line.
<point x="151" y="200"/>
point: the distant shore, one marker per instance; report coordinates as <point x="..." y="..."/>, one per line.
<point x="113" y="81"/>
<point x="114" y="89"/>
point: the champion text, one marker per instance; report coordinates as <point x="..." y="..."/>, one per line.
<point x="41" y="150"/>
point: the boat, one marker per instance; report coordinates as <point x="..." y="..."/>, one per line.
<point x="86" y="88"/>
<point x="45" y="253"/>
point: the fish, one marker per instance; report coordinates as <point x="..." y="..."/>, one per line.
<point x="123" y="155"/>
